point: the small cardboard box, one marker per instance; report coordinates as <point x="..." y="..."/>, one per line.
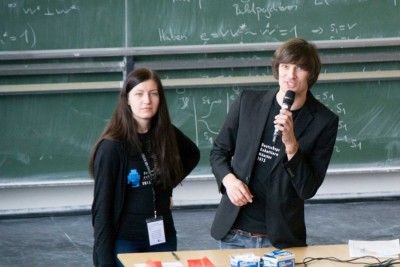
<point x="245" y="260"/>
<point x="278" y="258"/>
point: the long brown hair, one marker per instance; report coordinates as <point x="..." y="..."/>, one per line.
<point x="123" y="127"/>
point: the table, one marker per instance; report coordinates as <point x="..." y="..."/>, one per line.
<point x="220" y="258"/>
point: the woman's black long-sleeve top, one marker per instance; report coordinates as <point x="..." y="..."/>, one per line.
<point x="110" y="172"/>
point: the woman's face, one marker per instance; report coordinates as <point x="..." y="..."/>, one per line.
<point x="144" y="100"/>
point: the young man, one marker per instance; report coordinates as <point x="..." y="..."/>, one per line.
<point x="264" y="183"/>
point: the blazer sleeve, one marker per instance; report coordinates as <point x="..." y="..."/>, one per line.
<point x="307" y="169"/>
<point x="106" y="171"/>
<point x="223" y="147"/>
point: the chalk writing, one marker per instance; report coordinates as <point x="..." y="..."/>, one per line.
<point x="259" y="20"/>
<point x="243" y="30"/>
<point x="169" y="35"/>
<point x="209" y="111"/>
<point x="321" y="2"/>
<point x="341" y="32"/>
<point x="26" y="36"/>
<point x="41" y="10"/>
<point x="206" y="109"/>
<point x="328" y="99"/>
<point x="247" y="7"/>
<point x="209" y="22"/>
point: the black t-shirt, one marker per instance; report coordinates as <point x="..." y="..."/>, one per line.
<point x="139" y="199"/>
<point x="252" y="216"/>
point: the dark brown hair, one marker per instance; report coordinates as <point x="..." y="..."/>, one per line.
<point x="123" y="127"/>
<point x="299" y="52"/>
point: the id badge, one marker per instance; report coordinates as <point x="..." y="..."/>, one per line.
<point x="155" y="228"/>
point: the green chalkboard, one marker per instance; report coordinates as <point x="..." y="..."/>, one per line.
<point x="50" y="136"/>
<point x="185" y="22"/>
<point x="71" y="24"/>
<point x="368" y="135"/>
<point x="61" y="24"/>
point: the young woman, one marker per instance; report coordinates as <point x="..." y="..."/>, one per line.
<point x="137" y="161"/>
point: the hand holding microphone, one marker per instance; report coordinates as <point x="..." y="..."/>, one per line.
<point x="288" y="100"/>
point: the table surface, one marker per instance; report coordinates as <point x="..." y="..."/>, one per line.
<point x="221" y="257"/>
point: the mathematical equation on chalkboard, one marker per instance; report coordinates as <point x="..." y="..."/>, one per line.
<point x="26" y="34"/>
<point x="261" y="13"/>
<point x="41" y="24"/>
<point x="246" y="20"/>
<point x="337" y="32"/>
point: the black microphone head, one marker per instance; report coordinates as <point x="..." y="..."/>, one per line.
<point x="288" y="99"/>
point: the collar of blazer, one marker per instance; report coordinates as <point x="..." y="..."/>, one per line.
<point x="301" y="123"/>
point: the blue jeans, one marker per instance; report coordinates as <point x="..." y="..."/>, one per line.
<point x="128" y="246"/>
<point x="234" y="240"/>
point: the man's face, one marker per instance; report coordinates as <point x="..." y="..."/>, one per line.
<point x="293" y="77"/>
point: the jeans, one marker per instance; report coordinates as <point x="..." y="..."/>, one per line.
<point x="234" y="240"/>
<point x="128" y="246"/>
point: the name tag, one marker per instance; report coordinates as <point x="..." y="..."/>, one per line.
<point x="155" y="227"/>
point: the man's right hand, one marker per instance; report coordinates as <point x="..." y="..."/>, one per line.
<point x="238" y="192"/>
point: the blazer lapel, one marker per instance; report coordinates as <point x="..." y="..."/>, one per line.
<point x="261" y="119"/>
<point x="303" y="119"/>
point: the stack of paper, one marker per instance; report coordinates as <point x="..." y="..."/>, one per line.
<point x="379" y="249"/>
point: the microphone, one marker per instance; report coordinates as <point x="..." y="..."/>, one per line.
<point x="288" y="100"/>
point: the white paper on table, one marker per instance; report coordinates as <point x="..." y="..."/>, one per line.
<point x="379" y="249"/>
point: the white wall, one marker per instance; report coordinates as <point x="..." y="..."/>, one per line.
<point x="64" y="196"/>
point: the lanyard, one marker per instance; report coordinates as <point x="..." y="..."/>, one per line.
<point x="153" y="180"/>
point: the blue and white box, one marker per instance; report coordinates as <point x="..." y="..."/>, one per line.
<point x="245" y="260"/>
<point x="278" y="258"/>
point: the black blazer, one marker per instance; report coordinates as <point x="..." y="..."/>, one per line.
<point x="291" y="182"/>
